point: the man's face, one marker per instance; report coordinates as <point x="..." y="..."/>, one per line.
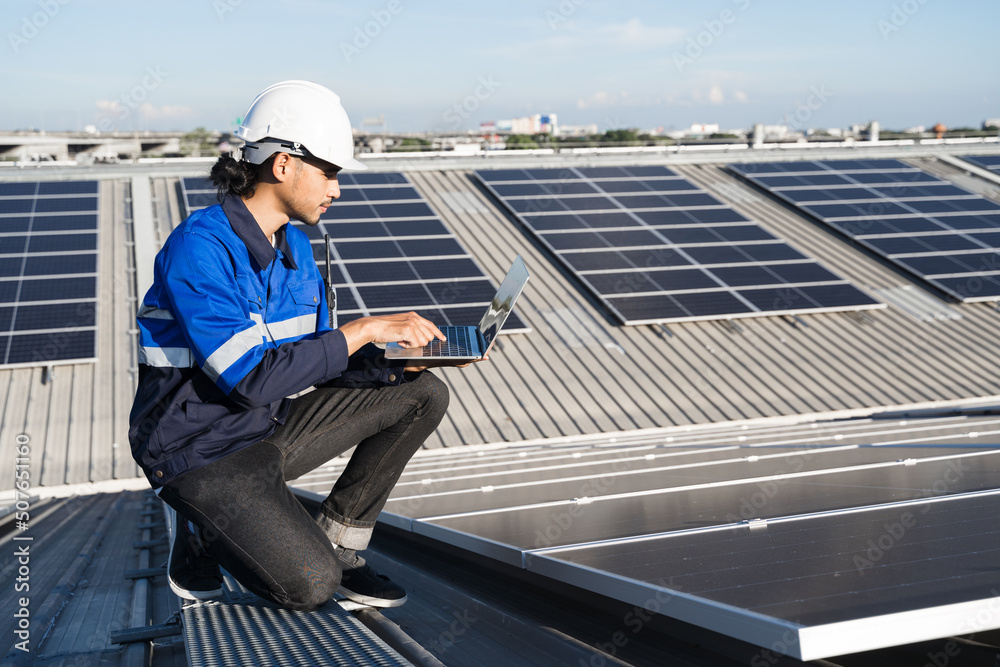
<point x="314" y="187"/>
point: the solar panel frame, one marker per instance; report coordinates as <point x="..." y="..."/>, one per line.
<point x="384" y="226"/>
<point x="917" y="205"/>
<point x="988" y="162"/>
<point x="49" y="240"/>
<point x="662" y="235"/>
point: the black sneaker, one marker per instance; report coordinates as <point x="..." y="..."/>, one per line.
<point x="192" y="573"/>
<point x="359" y="582"/>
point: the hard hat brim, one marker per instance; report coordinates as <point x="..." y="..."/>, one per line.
<point x="353" y="165"/>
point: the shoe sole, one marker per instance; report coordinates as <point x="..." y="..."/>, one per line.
<point x="193" y="595"/>
<point x="371" y="602"/>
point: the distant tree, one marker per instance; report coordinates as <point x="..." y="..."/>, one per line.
<point x="621" y="136"/>
<point x="198" y="143"/>
<point x="520" y="142"/>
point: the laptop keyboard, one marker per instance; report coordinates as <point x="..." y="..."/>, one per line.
<point x="457" y="345"/>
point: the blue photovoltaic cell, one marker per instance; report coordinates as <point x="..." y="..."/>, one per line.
<point x="908" y="216"/>
<point x="371" y="178"/>
<point x="62" y="242"/>
<point x="391" y="252"/>
<point x="67" y="188"/>
<point x="48" y="272"/>
<point x="989" y="162"/>
<point x="18" y="189"/>
<point x="13" y="245"/>
<point x="14" y="224"/>
<point x="42" y="349"/>
<point x="675" y="216"/>
<point x="11" y="206"/>
<point x="881" y="177"/>
<point x="55" y="316"/>
<point x="85" y="263"/>
<point x="659" y="185"/>
<point x="404" y="228"/>
<point x="65" y="205"/>
<point x="351" y="212"/>
<point x="65" y="222"/>
<point x="55" y="289"/>
<point x="650" y="246"/>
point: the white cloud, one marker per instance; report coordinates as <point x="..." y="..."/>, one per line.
<point x="715" y="95"/>
<point x="603" y="99"/>
<point x="634" y="35"/>
<point x="108" y="105"/>
<point x="573" y="36"/>
<point x="598" y="99"/>
<point x="151" y="112"/>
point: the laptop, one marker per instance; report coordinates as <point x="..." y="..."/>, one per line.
<point x="471" y="343"/>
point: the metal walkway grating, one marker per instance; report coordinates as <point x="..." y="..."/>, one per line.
<point x="243" y="629"/>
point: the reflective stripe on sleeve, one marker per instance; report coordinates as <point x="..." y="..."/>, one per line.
<point x="293" y="328"/>
<point x="232" y="351"/>
<point x="173" y="357"/>
<point x="259" y="321"/>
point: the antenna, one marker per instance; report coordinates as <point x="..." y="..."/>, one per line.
<point x="331" y="294"/>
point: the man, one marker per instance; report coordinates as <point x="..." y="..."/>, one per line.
<point x="236" y="321"/>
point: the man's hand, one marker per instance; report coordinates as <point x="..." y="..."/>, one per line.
<point x="407" y="329"/>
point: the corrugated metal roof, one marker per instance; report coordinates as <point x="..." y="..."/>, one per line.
<point x="76" y="416"/>
<point x="610" y="378"/>
<point x="578" y="372"/>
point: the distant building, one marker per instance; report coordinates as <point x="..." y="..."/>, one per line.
<point x="825" y="132"/>
<point x="703" y="129"/>
<point x="536" y="124"/>
<point x="775" y="132"/>
<point x="576" y="130"/>
<point x="991" y="124"/>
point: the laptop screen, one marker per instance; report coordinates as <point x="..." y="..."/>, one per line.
<point x="503" y="302"/>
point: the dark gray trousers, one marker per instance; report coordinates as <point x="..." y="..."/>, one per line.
<point x="258" y="530"/>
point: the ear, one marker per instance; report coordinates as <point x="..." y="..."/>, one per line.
<point x="283" y="167"/>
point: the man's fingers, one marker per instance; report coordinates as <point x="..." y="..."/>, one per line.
<point x="423" y="330"/>
<point x="407" y="329"/>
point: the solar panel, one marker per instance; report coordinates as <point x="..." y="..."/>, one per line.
<point x="390" y="253"/>
<point x="655" y="248"/>
<point x="828" y="542"/>
<point x="48" y="272"/>
<point x="988" y="162"/>
<point x="941" y="233"/>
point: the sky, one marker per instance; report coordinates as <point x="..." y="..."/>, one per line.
<point x="448" y="65"/>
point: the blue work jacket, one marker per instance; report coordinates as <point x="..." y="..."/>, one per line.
<point x="231" y="327"/>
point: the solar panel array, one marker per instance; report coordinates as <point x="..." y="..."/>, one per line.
<point x="814" y="536"/>
<point x="655" y="248"/>
<point x="390" y="253"/>
<point x="48" y="272"/>
<point x="945" y="235"/>
<point x="988" y="162"/>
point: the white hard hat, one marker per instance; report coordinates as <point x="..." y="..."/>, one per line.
<point x="300" y="118"/>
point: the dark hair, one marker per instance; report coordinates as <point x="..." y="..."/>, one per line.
<point x="234" y="177"/>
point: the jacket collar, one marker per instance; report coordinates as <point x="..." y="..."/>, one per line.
<point x="246" y="227"/>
